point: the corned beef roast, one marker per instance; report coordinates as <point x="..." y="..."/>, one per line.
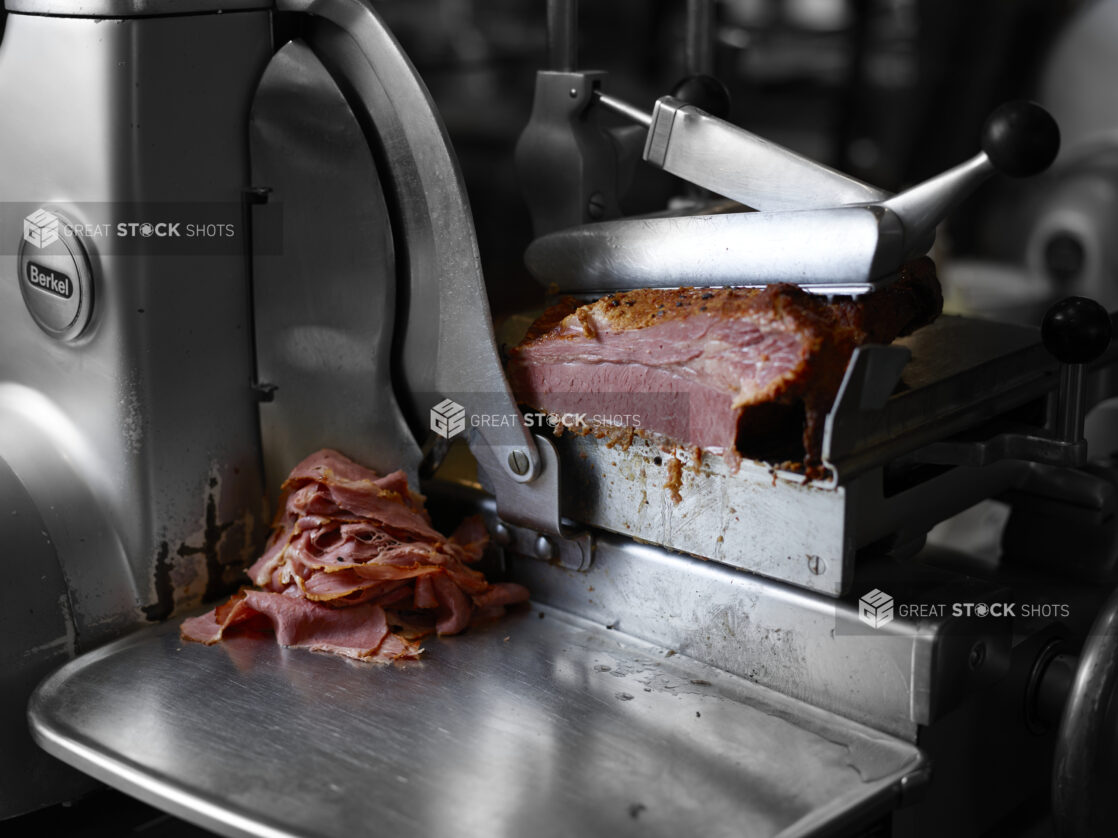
<point x="352" y="556"/>
<point x="726" y="368"/>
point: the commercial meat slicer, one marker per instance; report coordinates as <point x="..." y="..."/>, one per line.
<point x="226" y="247"/>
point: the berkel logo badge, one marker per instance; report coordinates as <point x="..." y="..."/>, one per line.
<point x="40" y="228"/>
<point x="53" y="282"/>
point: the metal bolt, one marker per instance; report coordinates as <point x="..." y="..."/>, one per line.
<point x="574" y="92"/>
<point x="501" y="535"/>
<point x="596" y="206"/>
<point x="977" y="655"/>
<point x="816" y="565"/>
<point x="544" y="548"/>
<point x="519" y="462"/>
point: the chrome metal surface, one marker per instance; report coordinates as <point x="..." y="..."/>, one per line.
<point x="827" y="251"/>
<point x="755" y="516"/>
<point x="569" y="166"/>
<point x="841" y="249"/>
<point x="123" y="419"/>
<point x="447" y="347"/>
<point x="1086" y="762"/>
<point x="812" y="647"/>
<point x="624" y="108"/>
<point x="137" y="441"/>
<point x="129" y="8"/>
<point x="38" y="627"/>
<point x="562" y="35"/>
<point x="325" y="303"/>
<point x="1070" y="401"/>
<point x="699" y="38"/>
<point x="534" y="725"/>
<point x="731" y="161"/>
<point x="922" y="207"/>
<point x="817" y="227"/>
<point x="534" y="511"/>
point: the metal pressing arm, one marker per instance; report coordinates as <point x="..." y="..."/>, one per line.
<point x="819" y="228"/>
<point x="700" y="148"/>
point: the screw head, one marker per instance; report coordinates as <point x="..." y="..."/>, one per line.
<point x="816" y="565"/>
<point x="544" y="548"/>
<point x="977" y="655"/>
<point x="502" y="536"/>
<point x="519" y="462"/>
<point x="574" y="92"/>
<point x="596" y="206"/>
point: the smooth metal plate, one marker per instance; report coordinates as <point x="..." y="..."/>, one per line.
<point x="532" y="726"/>
<point x="324" y="303"/>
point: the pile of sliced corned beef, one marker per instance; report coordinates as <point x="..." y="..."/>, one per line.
<point x="354" y="568"/>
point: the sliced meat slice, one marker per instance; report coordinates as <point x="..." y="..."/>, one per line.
<point x="361" y="501"/>
<point x="355" y="632"/>
<point x="503" y="593"/>
<point x="455" y="608"/>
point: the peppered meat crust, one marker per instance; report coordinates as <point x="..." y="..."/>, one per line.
<point x="748" y="359"/>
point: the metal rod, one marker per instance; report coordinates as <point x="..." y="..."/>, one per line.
<point x="922" y="207"/>
<point x="624" y="108"/>
<point x="1070" y="413"/>
<point x="700" y="37"/>
<point x="562" y="34"/>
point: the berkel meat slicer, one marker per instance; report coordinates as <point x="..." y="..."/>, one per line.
<point x="729" y="663"/>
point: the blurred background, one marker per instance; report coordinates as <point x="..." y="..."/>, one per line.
<point x="891" y="91"/>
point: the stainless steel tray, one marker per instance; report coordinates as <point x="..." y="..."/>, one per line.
<point x="540" y="725"/>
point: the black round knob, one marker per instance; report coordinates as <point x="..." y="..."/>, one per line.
<point x="1076" y="330"/>
<point x="1021" y="138"/>
<point x="706" y="93"/>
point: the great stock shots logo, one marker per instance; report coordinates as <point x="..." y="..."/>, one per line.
<point x="149" y="228"/>
<point x="40" y="229"/>
<point x="448" y="419"/>
<point x="875" y="609"/>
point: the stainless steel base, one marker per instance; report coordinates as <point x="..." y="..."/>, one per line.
<point x="541" y="724"/>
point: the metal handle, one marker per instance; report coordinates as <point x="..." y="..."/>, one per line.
<point x="700" y="37"/>
<point x="1075" y="331"/>
<point x="1086" y="766"/>
<point x="562" y="35"/>
<point x="1019" y="139"/>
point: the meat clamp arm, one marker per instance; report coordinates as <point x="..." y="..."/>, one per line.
<point x="818" y="228"/>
